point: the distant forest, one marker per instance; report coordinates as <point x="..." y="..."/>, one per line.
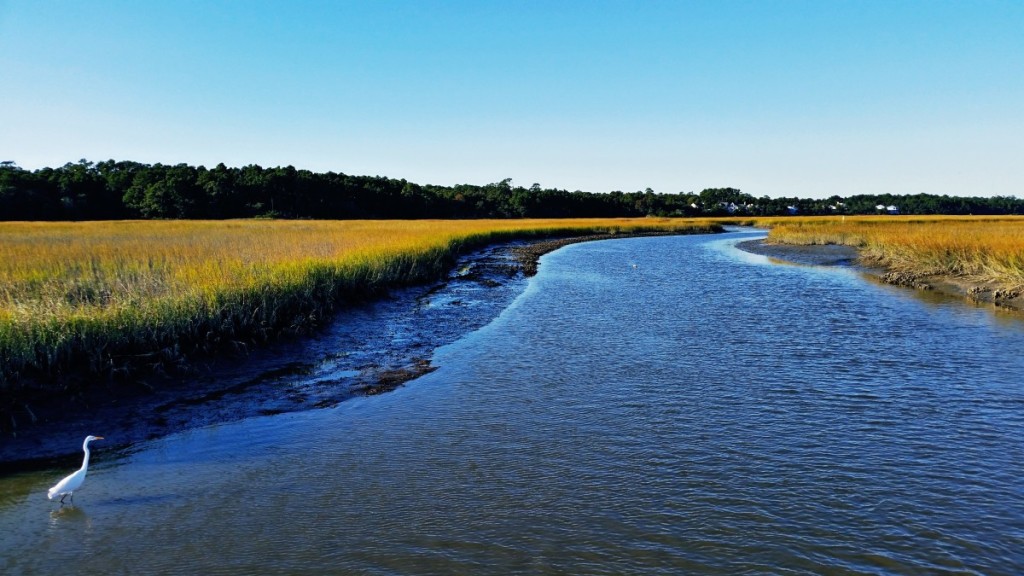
<point x="126" y="190"/>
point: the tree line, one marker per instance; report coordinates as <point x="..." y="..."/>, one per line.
<point x="114" y="190"/>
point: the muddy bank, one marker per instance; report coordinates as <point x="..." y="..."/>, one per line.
<point x="836" y="255"/>
<point x="819" y="255"/>
<point x="368" y="349"/>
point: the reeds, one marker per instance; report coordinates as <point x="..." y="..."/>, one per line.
<point x="107" y="297"/>
<point x="981" y="249"/>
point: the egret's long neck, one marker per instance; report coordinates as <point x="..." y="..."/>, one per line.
<point x="85" y="461"/>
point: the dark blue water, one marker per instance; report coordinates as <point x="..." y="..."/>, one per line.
<point x="652" y="405"/>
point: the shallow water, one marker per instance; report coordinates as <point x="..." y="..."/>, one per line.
<point x="649" y="405"/>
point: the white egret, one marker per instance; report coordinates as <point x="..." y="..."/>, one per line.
<point x="74" y="481"/>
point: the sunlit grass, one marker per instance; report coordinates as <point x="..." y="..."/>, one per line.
<point x="983" y="249"/>
<point x="100" y="296"/>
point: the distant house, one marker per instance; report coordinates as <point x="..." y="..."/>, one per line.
<point x="792" y="210"/>
<point x="892" y="209"/>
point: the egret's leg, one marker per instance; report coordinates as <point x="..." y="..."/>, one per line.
<point x="63" y="496"/>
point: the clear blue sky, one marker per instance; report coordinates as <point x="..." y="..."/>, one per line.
<point x="793" y="98"/>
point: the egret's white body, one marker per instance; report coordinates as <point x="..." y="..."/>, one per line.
<point x="67" y="486"/>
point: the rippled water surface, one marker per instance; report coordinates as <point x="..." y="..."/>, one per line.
<point x="650" y="405"/>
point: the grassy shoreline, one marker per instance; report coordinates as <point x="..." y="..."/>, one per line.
<point x="979" y="257"/>
<point x="119" y="299"/>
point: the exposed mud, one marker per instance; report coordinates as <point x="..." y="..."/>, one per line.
<point x="818" y="255"/>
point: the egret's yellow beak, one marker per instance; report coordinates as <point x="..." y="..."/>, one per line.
<point x="99" y="437"/>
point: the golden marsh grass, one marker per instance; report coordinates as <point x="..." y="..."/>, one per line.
<point x="100" y="296"/>
<point x="982" y="249"/>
